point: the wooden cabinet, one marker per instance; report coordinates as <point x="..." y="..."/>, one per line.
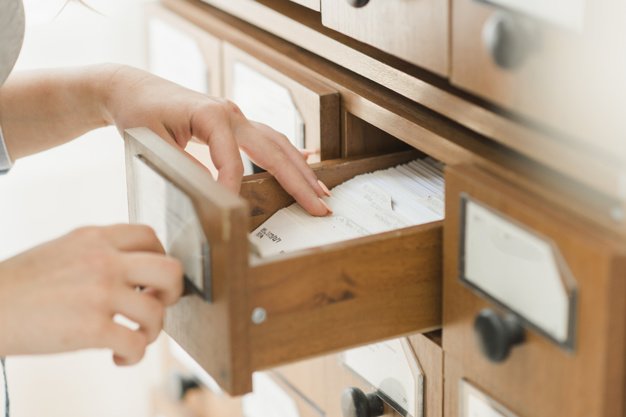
<point x="414" y="30"/>
<point x="297" y="105"/>
<point x="571" y="313"/>
<point x="312" y="301"/>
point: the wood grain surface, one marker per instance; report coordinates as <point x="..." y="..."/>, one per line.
<point x="540" y="378"/>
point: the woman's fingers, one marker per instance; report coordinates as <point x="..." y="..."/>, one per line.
<point x="214" y="128"/>
<point x="128" y="345"/>
<point x="295" y="156"/>
<point x="161" y="273"/>
<point x="130" y="237"/>
<point x="142" y="309"/>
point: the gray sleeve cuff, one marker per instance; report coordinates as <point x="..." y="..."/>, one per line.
<point x="5" y="160"/>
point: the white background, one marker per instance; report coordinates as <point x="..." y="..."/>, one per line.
<point x="81" y="183"/>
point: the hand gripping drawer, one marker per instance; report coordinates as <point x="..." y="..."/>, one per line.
<point x="261" y="313"/>
<point x="534" y="312"/>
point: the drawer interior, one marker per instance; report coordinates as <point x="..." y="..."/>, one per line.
<point x="324" y="299"/>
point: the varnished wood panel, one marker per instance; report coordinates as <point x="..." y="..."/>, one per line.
<point x="414" y="30"/>
<point x="361" y="138"/>
<point x="570" y="80"/>
<point x="389" y="112"/>
<point x="436" y="136"/>
<point x="339" y="296"/>
<point x="540" y="378"/>
<point x="210" y="333"/>
<point x="317" y="103"/>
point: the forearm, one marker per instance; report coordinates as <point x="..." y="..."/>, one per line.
<point x="45" y="108"/>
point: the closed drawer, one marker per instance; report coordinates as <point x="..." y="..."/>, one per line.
<point x="262" y="313"/>
<point x="380" y="369"/>
<point x="550" y="63"/>
<point x="305" y="110"/>
<point x="534" y="311"/>
<point x="414" y="30"/>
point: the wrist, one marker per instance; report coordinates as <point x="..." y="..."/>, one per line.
<point x="106" y="84"/>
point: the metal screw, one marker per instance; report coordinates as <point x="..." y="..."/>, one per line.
<point x="617" y="214"/>
<point x="259" y="315"/>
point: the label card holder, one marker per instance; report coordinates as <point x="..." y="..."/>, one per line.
<point x="475" y="403"/>
<point x="519" y="270"/>
<point x="160" y="204"/>
<point x="392" y="367"/>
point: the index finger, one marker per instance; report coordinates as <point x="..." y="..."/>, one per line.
<point x="217" y="133"/>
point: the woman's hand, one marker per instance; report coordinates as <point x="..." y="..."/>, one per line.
<point x="136" y="98"/>
<point x="63" y="295"/>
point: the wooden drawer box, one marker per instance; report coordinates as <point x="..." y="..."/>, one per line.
<point x="547" y="285"/>
<point x="414" y="30"/>
<point x="266" y="312"/>
<point x="324" y="380"/>
<point x="306" y="110"/>
<point x="559" y="72"/>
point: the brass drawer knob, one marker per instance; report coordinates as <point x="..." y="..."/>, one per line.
<point x="497" y="335"/>
<point x="355" y="403"/>
<point x="358" y="3"/>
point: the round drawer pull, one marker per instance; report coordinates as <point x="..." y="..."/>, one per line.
<point x="355" y="403"/>
<point x="508" y="39"/>
<point x="179" y="385"/>
<point x="497" y="335"/>
<point x="358" y="3"/>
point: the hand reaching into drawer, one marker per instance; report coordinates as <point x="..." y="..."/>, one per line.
<point x="137" y="99"/>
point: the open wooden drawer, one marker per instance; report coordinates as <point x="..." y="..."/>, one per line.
<point x="259" y="313"/>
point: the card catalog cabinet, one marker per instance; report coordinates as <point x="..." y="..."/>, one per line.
<point x="543" y="298"/>
<point x="514" y="98"/>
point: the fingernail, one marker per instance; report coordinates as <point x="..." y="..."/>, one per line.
<point x="330" y="211"/>
<point x="324" y="188"/>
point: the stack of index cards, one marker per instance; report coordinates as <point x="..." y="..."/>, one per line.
<point x="393" y="198"/>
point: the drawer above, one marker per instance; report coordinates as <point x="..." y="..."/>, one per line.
<point x="414" y="30"/>
<point x="259" y="313"/>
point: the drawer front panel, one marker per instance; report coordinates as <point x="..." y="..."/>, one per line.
<point x="303" y="109"/>
<point x="325" y="379"/>
<point x="414" y="30"/>
<point x="545" y="69"/>
<point x="539" y="377"/>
